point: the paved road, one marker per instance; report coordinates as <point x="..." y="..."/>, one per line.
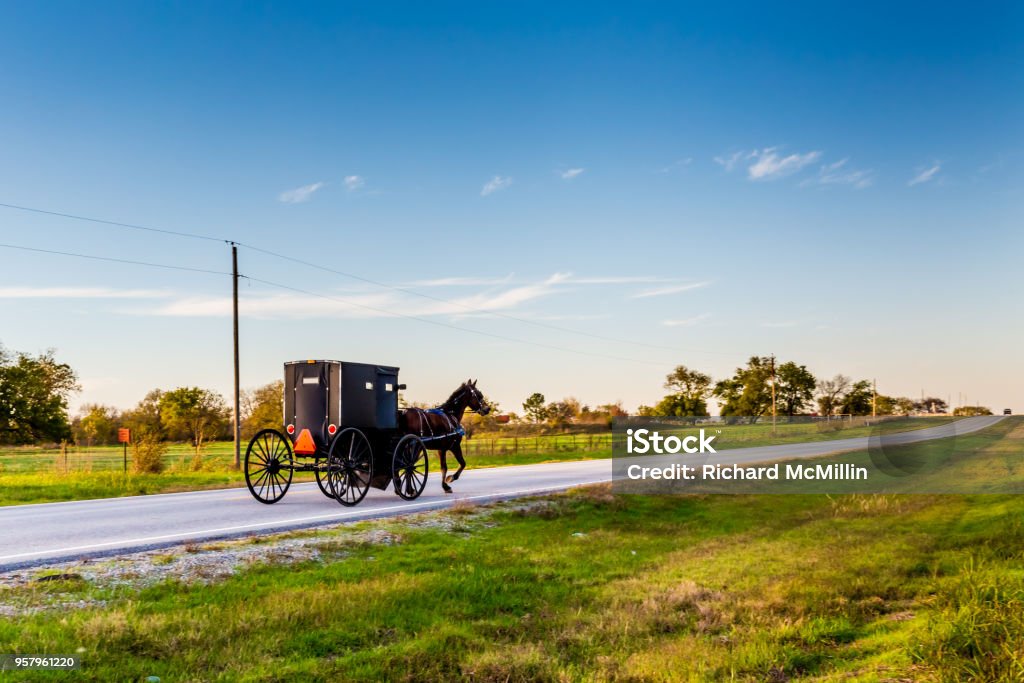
<point x="49" y="532"/>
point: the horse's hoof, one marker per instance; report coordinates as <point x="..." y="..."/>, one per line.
<point x="449" y="479"/>
<point x="447" y="489"/>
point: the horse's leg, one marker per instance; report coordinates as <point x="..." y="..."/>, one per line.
<point x="444" y="470"/>
<point x="457" y="452"/>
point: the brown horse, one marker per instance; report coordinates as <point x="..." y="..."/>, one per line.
<point x="441" y="428"/>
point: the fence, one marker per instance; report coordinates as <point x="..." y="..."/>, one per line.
<point x="554" y="444"/>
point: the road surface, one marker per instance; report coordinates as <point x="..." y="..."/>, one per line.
<point x="50" y="532"/>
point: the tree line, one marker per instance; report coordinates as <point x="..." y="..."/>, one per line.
<point x="35" y="390"/>
<point x="749" y="393"/>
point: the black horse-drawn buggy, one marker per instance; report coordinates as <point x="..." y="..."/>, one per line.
<point x="342" y="422"/>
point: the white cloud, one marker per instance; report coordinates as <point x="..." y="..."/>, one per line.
<point x="837" y="173"/>
<point x="680" y="163"/>
<point x="79" y="293"/>
<point x="729" y="162"/>
<point x="494" y="184"/>
<point x="673" y="289"/>
<point x="572" y="173"/>
<point x="383" y="304"/>
<point x="354" y="182"/>
<point x="769" y="165"/>
<point x="925" y="174"/>
<point x="618" y="280"/>
<point x="300" y="194"/>
<point x="462" y="282"/>
<point x="686" y="322"/>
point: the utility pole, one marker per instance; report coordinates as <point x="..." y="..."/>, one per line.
<point x="234" y="297"/>
<point x="773" y="394"/>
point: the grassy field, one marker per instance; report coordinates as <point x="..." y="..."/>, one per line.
<point x="589" y="586"/>
<point x="36" y="475"/>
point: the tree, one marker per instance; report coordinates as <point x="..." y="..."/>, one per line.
<point x="748" y="392"/>
<point x="262" y="408"/>
<point x="535" y="408"/>
<point x="690" y="390"/>
<point x="562" y="413"/>
<point x="144" y="418"/>
<point x="886" y="405"/>
<point x="96" y="424"/>
<point x="198" y="412"/>
<point x="794" y="388"/>
<point x="972" y="411"/>
<point x="857" y="399"/>
<point x="830" y="392"/>
<point x="34" y="392"/>
<point x="931" y="405"/>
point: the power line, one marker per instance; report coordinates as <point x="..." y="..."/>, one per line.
<point x="459" y="304"/>
<point x="360" y="278"/>
<point x="438" y="323"/>
<point x="441" y="323"/>
<point x="176" y="233"/>
<point x="114" y="260"/>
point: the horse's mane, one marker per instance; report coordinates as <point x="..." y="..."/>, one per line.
<point x="451" y="399"/>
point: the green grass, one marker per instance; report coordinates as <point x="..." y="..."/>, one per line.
<point x="589" y="586"/>
<point x="41" y="475"/>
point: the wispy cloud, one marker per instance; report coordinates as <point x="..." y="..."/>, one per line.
<point x="729" y="162"/>
<point x="494" y="184"/>
<point x="838" y="173"/>
<point x="300" y="194"/>
<point x="354" y="182"/>
<point x="462" y="281"/>
<point x="617" y="279"/>
<point x="571" y="173"/>
<point x="686" y="322"/>
<point x="679" y="163"/>
<point x="80" y="293"/>
<point x="673" y="289"/>
<point x="272" y="305"/>
<point x="768" y="164"/>
<point x="925" y="174"/>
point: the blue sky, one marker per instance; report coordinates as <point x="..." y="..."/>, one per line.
<point x="838" y="185"/>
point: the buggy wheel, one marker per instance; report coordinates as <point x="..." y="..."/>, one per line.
<point x="321" y="478"/>
<point x="409" y="467"/>
<point x="350" y="466"/>
<point x="268" y="466"/>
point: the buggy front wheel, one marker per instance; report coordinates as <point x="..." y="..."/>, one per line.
<point x="268" y="466"/>
<point x="409" y="467"/>
<point x="350" y="466"/>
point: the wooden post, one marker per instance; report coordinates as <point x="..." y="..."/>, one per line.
<point x="234" y="298"/>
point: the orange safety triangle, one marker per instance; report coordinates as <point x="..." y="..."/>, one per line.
<point x="304" y="444"/>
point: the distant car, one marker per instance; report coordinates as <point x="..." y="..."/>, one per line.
<point x="1007" y="411"/>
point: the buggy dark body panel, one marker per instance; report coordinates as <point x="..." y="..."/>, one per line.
<point x="341" y="422"/>
<point x="320" y="393"/>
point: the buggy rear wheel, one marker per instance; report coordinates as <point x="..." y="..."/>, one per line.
<point x="268" y="466"/>
<point x="409" y="467"/>
<point x="321" y="478"/>
<point x="350" y="466"/>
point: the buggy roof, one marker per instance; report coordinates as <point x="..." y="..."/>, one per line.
<point x="385" y="368"/>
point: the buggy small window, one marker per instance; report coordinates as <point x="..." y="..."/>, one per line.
<point x="369" y="385"/>
<point x="310" y="380"/>
<point x="388" y="387"/>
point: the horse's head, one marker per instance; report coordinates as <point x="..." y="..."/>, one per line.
<point x="475" y="398"/>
